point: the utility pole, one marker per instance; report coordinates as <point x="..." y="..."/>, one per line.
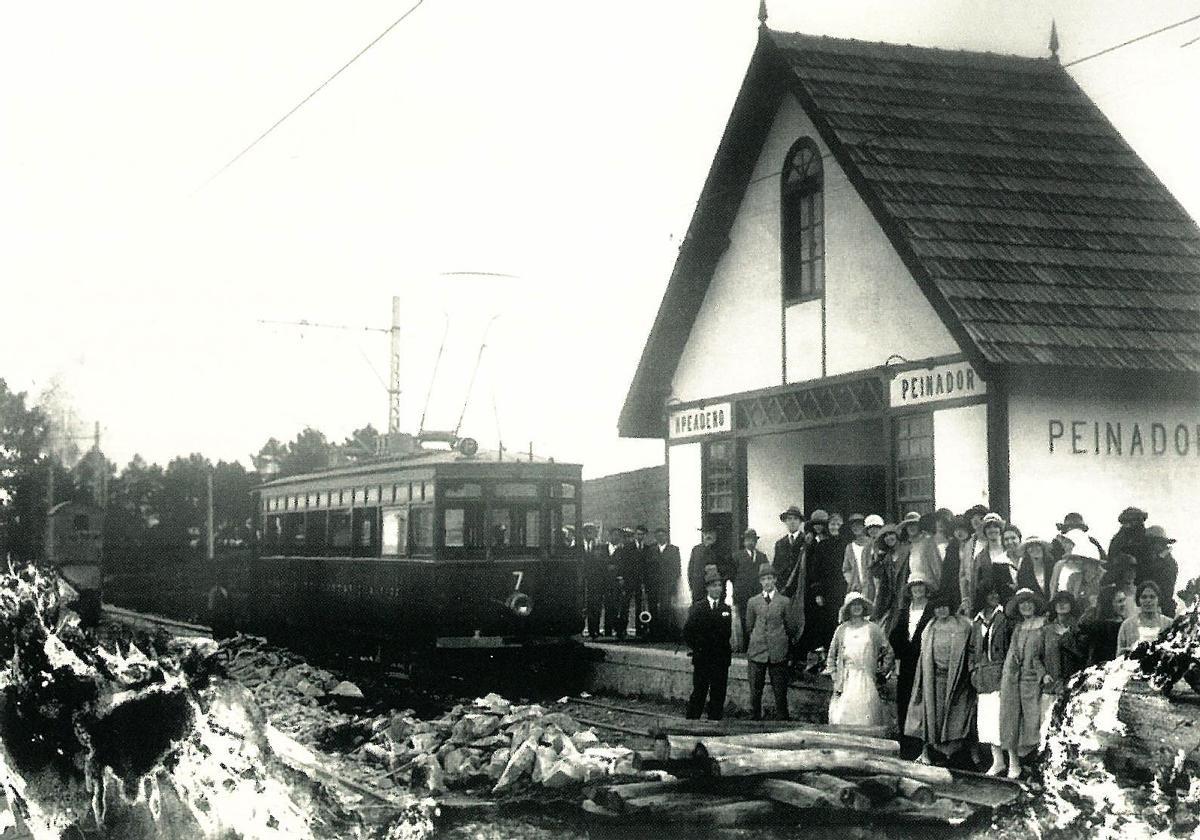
<point x="394" y="373"/>
<point x="209" y="528"/>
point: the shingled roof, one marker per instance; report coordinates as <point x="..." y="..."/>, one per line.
<point x="1036" y="232"/>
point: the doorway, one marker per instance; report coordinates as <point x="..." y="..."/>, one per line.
<point x="846" y="488"/>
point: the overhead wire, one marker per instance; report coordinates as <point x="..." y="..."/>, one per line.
<point x="314" y="92"/>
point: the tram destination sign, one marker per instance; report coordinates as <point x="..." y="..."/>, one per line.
<point x="712" y="419"/>
<point x="951" y="381"/>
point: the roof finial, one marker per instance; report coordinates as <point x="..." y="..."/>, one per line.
<point x="762" y="14"/>
<point x="1053" y="41"/>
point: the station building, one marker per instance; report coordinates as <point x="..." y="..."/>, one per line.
<point x="919" y="278"/>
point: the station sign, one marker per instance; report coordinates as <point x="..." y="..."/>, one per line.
<point x="950" y="381"/>
<point x="712" y="419"/>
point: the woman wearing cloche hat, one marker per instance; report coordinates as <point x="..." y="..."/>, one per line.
<point x="905" y="640"/>
<point x="942" y="709"/>
<point x="1024" y="678"/>
<point x="859" y="650"/>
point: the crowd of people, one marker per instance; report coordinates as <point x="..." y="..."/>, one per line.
<point x="979" y="624"/>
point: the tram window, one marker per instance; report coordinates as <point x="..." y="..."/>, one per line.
<point x="514" y="490"/>
<point x="339" y="529"/>
<point x="515" y="527"/>
<point x="454" y="523"/>
<point x="561" y="518"/>
<point x="395" y="532"/>
<point x="427" y="491"/>
<point x="562" y="490"/>
<point x="462" y="526"/>
<point x="403" y="492"/>
<point x="422" y="528"/>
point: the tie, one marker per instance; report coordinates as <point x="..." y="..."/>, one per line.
<point x="767" y="598"/>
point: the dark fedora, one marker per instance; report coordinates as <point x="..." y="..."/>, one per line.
<point x="792" y="511"/>
<point x="1072" y="521"/>
<point x="1131" y="515"/>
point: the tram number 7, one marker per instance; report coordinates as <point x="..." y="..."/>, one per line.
<point x="520" y="576"/>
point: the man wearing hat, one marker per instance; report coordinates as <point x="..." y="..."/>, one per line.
<point x="596" y="579"/>
<point x="633" y="576"/>
<point x="771" y="631"/>
<point x="615" y="615"/>
<point x="707" y="630"/>
<point x="703" y="556"/>
<point x="1131" y="536"/>
<point x="1161" y="567"/>
<point x="746" y="564"/>
<point x="789" y="551"/>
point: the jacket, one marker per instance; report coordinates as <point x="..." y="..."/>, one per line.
<point x="701" y="556"/>
<point x="772" y="628"/>
<point x="944" y="722"/>
<point x="858" y="580"/>
<point x="1128" y="637"/>
<point x="990" y="644"/>
<point x="1021" y="686"/>
<point x="1027" y="577"/>
<point x="969" y="572"/>
<point x="633" y="562"/>
<point x="993" y="577"/>
<point x="923" y="557"/>
<point x="886" y="658"/>
<point x="664" y="570"/>
<point x="890" y="570"/>
<point x="707" y="631"/>
<point x="787" y="555"/>
<point x="1066" y="652"/>
<point x="597" y="568"/>
<point x="745" y="576"/>
<point x="949" y="585"/>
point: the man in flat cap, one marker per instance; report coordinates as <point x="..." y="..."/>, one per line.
<point x="745" y="577"/>
<point x="707" y="630"/>
<point x="771" y="634"/>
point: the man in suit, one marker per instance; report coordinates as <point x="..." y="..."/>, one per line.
<point x="662" y="576"/>
<point x="789" y="550"/>
<point x="595" y="577"/>
<point x="615" y="616"/>
<point x="707" y="630"/>
<point x="633" y="576"/>
<point x="703" y="556"/>
<point x="771" y="633"/>
<point x="746" y="564"/>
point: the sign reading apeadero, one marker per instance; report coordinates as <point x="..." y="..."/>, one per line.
<point x="950" y="381"/>
<point x="1102" y="437"/>
<point x="702" y="420"/>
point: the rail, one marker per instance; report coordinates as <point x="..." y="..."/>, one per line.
<point x="150" y="621"/>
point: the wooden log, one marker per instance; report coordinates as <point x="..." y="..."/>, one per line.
<point x="846" y="793"/>
<point x="791" y="739"/>
<point x="675" y="803"/>
<point x="731" y="726"/>
<point x="683" y="747"/>
<point x="614" y="797"/>
<point x="878" y="788"/>
<point x="762" y="762"/>
<point x="794" y="793"/>
<point x="736" y="814"/>
<point x="915" y="791"/>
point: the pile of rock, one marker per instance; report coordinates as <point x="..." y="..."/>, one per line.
<point x="492" y="743"/>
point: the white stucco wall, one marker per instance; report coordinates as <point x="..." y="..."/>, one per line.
<point x="1082" y="470"/>
<point x="683" y="494"/>
<point x="802" y="331"/>
<point x="775" y="468"/>
<point x="874" y="308"/>
<point x="960" y="466"/>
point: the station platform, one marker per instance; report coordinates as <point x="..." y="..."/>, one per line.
<point x="663" y="671"/>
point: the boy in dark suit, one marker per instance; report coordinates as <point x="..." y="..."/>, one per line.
<point x="707" y="631"/>
<point x="771" y="633"/>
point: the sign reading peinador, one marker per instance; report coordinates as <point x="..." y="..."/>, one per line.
<point x="951" y="381"/>
<point x="701" y="420"/>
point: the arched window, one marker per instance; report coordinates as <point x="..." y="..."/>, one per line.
<point x="802" y="210"/>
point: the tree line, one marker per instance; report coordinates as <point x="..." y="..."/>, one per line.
<point x="154" y="514"/>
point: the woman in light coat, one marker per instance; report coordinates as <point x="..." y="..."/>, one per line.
<point x="941" y="711"/>
<point x="1147" y="624"/>
<point x="857" y="654"/>
<point x="1023" y="679"/>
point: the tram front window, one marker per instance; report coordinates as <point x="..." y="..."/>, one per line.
<point x="515" y="527"/>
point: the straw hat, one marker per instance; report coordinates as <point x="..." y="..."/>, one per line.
<point x="919" y="577"/>
<point x="873" y="521"/>
<point x="851" y="597"/>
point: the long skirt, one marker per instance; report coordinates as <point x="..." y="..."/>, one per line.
<point x="988" y="718"/>
<point x="859" y="704"/>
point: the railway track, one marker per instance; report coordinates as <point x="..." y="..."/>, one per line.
<point x="147" y="621"/>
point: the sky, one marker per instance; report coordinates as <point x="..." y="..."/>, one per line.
<point x="562" y="144"/>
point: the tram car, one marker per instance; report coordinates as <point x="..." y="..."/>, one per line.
<point x="449" y="547"/>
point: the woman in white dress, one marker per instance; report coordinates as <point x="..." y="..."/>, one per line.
<point x="859" y="651"/>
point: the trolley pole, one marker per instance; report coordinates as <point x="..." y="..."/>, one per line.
<point x="394" y="373"/>
<point x="209" y="512"/>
